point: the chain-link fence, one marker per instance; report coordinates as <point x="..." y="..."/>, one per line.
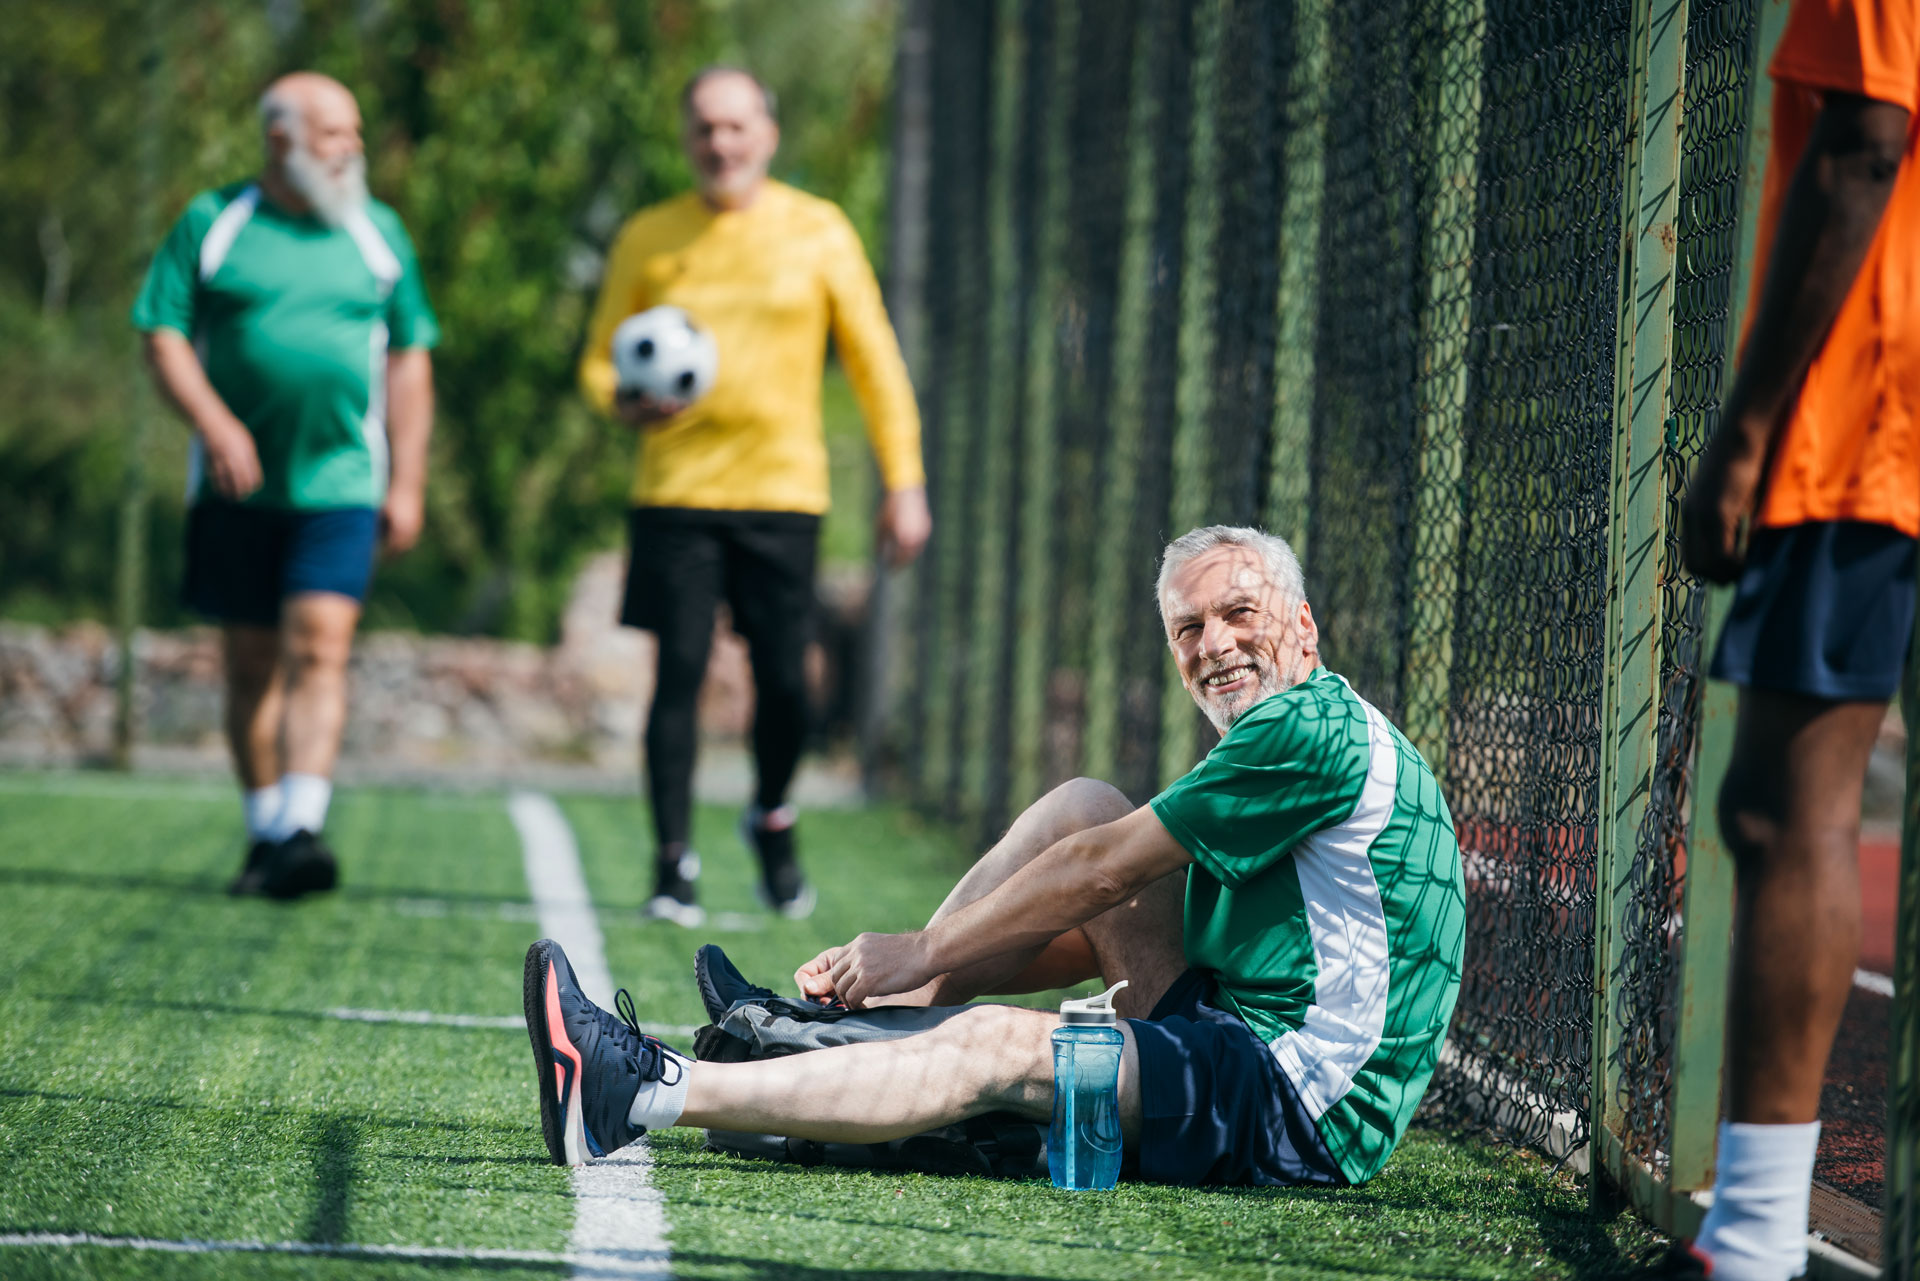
<point x="1358" y="273"/>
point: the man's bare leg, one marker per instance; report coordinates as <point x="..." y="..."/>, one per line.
<point x="1140" y="940"/>
<point x="256" y="699"/>
<point x="1790" y="813"/>
<point x="985" y="1059"/>
<point x="317" y="628"/>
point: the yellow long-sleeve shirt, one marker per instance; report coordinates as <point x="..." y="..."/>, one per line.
<point x="768" y="282"/>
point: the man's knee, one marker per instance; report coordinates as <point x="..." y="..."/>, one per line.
<point x="1080" y="803"/>
<point x="318" y="633"/>
<point x="1016" y="1042"/>
<point x="1759" y="822"/>
<point x="252" y="661"/>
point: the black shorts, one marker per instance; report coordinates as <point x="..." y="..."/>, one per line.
<point x="684" y="561"/>
<point x="1216" y="1108"/>
<point x="243" y="561"/>
<point x="1823" y="609"/>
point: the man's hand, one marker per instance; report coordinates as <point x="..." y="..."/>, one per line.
<point x="401" y="517"/>
<point x="232" y="459"/>
<point x="637" y="409"/>
<point x="905" y="525"/>
<point x="872" y="966"/>
<point x="814" y="979"/>
<point x="1720" y="500"/>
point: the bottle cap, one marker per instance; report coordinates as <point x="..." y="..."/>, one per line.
<point x="1092" y="1009"/>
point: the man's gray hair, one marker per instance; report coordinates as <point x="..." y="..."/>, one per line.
<point x="700" y="77"/>
<point x="1282" y="566"/>
<point x="279" y="110"/>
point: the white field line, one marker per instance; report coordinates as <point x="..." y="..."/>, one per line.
<point x="1877" y="983"/>
<point x="426" y="1252"/>
<point x="619" y="1217"/>
<point x="514" y="1022"/>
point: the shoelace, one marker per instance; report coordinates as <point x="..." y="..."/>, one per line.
<point x="649" y="1054"/>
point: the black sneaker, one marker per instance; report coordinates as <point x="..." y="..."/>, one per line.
<point x="1681" y="1262"/>
<point x="252" y="878"/>
<point x="721" y="985"/>
<point x="301" y="864"/>
<point x="673" y="893"/>
<point x="782" y="887"/>
<point x="590" y="1063"/>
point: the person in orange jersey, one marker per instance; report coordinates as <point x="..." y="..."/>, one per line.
<point x="1808" y="499"/>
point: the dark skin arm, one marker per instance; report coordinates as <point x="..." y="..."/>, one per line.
<point x="1075" y="880"/>
<point x="1828" y="220"/>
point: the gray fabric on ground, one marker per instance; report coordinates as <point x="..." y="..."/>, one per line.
<point x="772" y="1032"/>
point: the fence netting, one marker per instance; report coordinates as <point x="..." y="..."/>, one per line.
<point x="1351" y="272"/>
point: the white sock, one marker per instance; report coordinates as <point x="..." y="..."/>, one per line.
<point x="1757" y="1228"/>
<point x="262" y="807"/>
<point x="660" y="1104"/>
<point x="307" y="797"/>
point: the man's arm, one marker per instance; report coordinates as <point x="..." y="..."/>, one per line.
<point x="409" y="429"/>
<point x="1828" y="220"/>
<point x="232" y="460"/>
<point x="1075" y="880"/>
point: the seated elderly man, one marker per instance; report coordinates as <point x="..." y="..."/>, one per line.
<point x="1288" y="917"/>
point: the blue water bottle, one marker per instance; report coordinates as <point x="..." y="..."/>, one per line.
<point x="1083" y="1147"/>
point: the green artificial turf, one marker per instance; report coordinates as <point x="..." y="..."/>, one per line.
<point x="168" y="1069"/>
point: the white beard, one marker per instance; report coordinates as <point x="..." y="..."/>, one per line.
<point x="335" y="193"/>
<point x="1223" y="715"/>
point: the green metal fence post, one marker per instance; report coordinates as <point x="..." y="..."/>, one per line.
<point x="992" y="488"/>
<point x="1114" y="576"/>
<point x="1707" y="904"/>
<point x="1636" y="521"/>
<point x="1193" y="488"/>
<point x="1445" y="322"/>
<point x="1038" y="606"/>
<point x="1297" y="301"/>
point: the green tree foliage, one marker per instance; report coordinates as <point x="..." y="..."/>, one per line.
<point x="513" y="136"/>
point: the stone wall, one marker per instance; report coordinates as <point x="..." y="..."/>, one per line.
<point x="417" y="702"/>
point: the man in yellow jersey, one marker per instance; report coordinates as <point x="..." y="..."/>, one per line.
<point x="728" y="492"/>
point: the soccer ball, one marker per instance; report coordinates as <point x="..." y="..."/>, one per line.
<point x="662" y="354"/>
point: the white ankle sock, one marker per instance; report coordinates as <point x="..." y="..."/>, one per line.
<point x="262" y="807"/>
<point x="307" y="797"/>
<point x="1757" y="1228"/>
<point x="660" y="1104"/>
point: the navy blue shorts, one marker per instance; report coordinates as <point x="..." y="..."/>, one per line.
<point x="243" y="561"/>
<point x="1217" y="1108"/>
<point x="1822" y="609"/>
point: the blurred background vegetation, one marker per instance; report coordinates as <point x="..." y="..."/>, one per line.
<point x="514" y="136"/>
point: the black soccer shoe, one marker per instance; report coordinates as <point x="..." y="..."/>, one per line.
<point x="674" y="897"/>
<point x="721" y="985"/>
<point x="252" y="877"/>
<point x="301" y="864"/>
<point x="590" y="1063"/>
<point x="782" y="887"/>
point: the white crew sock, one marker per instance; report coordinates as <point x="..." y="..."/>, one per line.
<point x="262" y="807"/>
<point x="659" y="1104"/>
<point x="307" y="797"/>
<point x="1757" y="1228"/>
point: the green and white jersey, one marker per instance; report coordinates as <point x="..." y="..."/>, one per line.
<point x="293" y="319"/>
<point x="1326" y="897"/>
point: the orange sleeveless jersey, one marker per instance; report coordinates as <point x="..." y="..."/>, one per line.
<point x="1851" y="450"/>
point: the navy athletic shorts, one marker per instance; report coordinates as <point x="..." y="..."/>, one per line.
<point x="1216" y="1106"/>
<point x="1823" y="609"/>
<point x="243" y="561"/>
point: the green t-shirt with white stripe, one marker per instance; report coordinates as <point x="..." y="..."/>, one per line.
<point x="293" y="320"/>
<point x="1327" y="899"/>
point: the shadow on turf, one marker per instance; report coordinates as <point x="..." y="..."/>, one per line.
<point x="1574" y="1237"/>
<point x="335" y="1144"/>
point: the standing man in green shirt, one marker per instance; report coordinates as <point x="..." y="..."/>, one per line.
<point x="1289" y="917"/>
<point x="286" y="320"/>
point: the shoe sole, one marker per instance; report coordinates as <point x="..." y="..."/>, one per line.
<point x="556" y="1062"/>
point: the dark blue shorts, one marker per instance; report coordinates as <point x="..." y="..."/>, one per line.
<point x="243" y="561"/>
<point x="1822" y="609"/>
<point x="1217" y="1108"/>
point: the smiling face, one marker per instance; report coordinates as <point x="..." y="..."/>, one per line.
<point x="1235" y="638"/>
<point x="730" y="138"/>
